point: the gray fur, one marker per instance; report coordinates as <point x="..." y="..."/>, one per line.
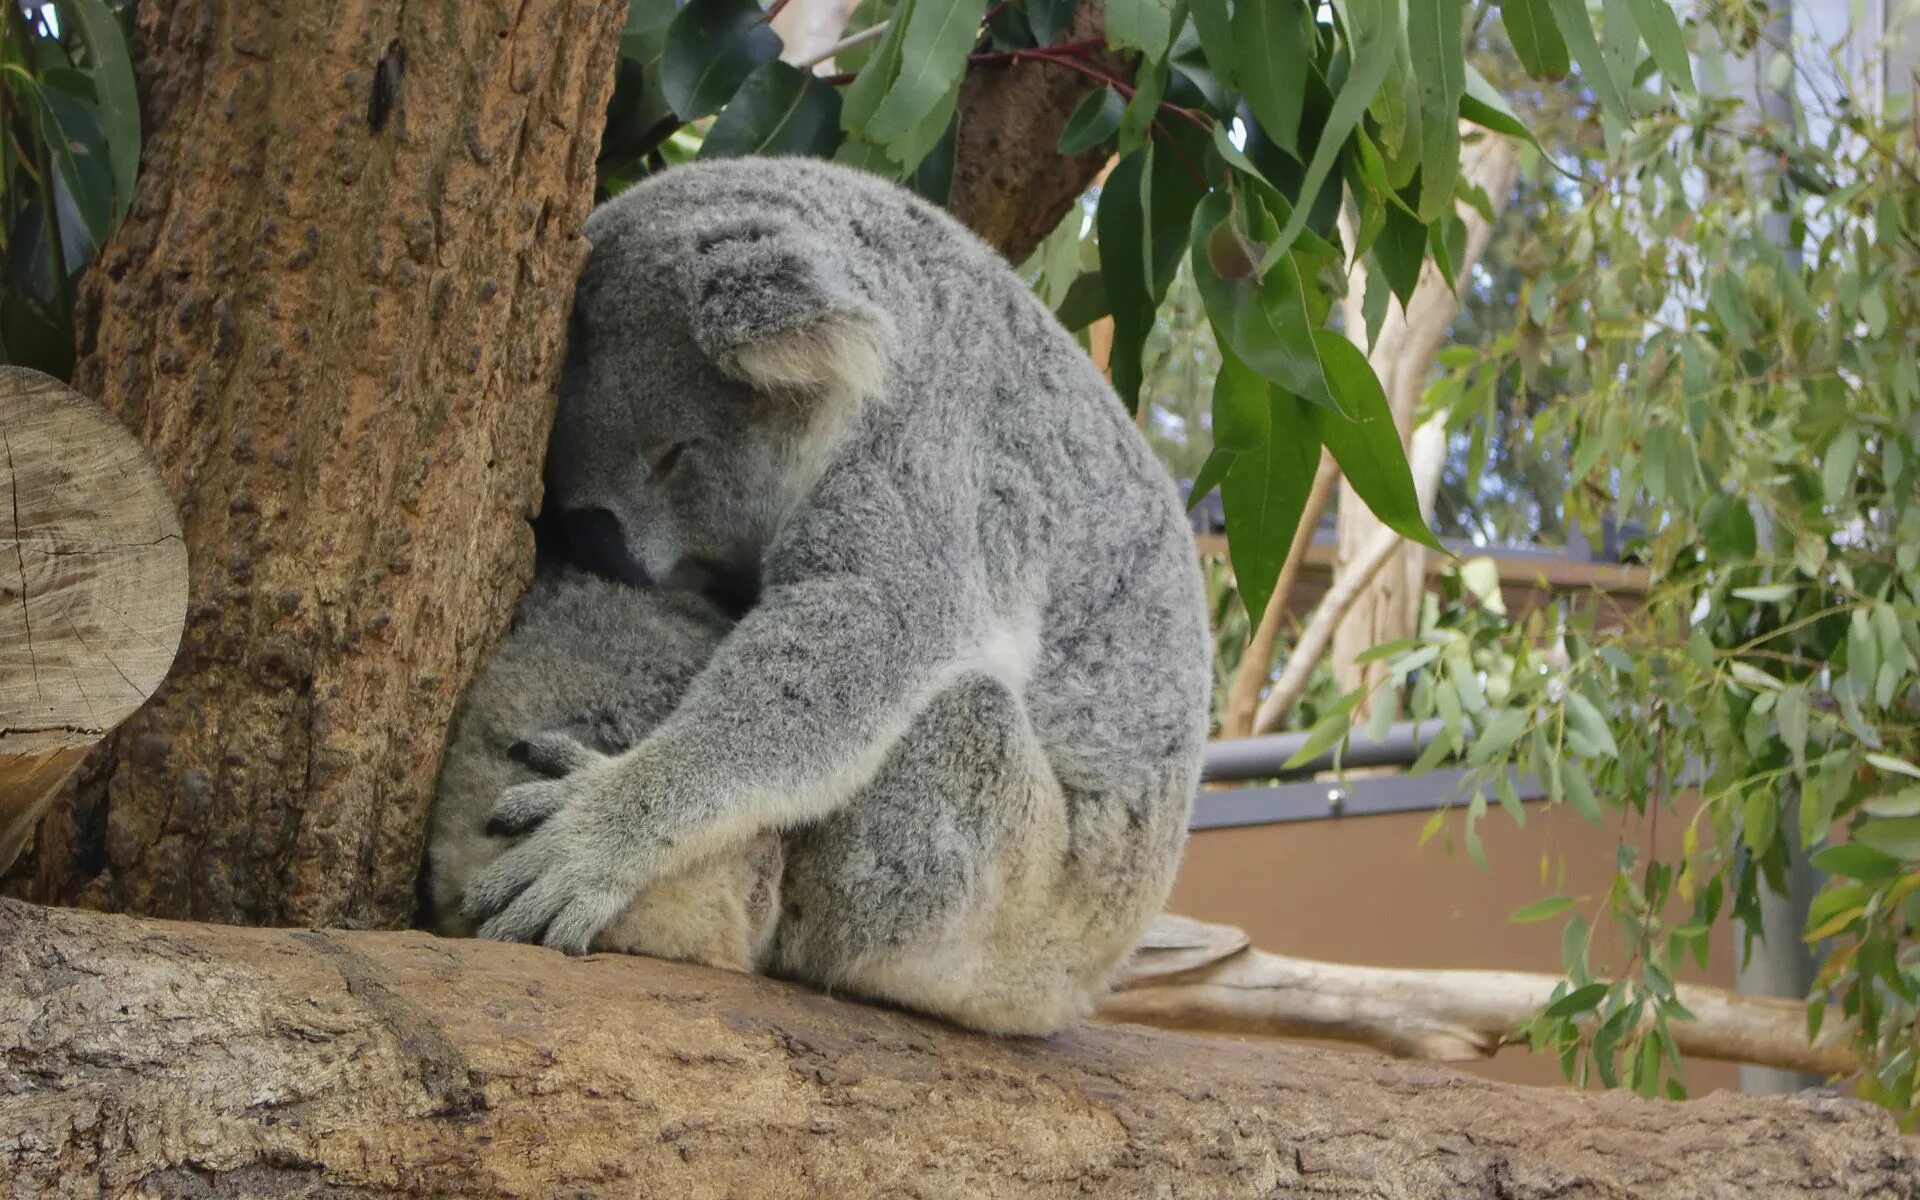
<point x="974" y="690"/>
<point x="588" y="670"/>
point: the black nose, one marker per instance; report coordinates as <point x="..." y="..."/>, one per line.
<point x="592" y="538"/>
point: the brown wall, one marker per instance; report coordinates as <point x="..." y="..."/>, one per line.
<point x="1361" y="890"/>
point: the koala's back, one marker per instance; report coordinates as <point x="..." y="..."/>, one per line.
<point x="999" y="489"/>
<point x="600" y="661"/>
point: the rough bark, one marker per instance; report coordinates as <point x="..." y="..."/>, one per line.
<point x="1403" y="357"/>
<point x="146" y="1058"/>
<point x="335" y="317"/>
<point x="93" y="588"/>
<point x="1011" y="185"/>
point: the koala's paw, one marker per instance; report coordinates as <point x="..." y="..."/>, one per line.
<point x="573" y="874"/>
<point x="526" y="805"/>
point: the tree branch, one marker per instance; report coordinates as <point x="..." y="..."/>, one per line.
<point x="153" y="1058"/>
<point x="1193" y="975"/>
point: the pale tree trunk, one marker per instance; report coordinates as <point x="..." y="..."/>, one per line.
<point x="808" y="29"/>
<point x="334" y="316"/>
<point x="145" y="1058"/>
<point x="1403" y="358"/>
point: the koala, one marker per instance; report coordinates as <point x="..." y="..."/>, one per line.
<point x="972" y="695"/>
<point x="600" y="664"/>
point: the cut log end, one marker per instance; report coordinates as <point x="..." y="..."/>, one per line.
<point x="93" y="587"/>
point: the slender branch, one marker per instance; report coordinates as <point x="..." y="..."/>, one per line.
<point x="871" y="33"/>
<point x="1194" y="975"/>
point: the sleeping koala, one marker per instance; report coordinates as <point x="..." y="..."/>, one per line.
<point x="602" y="664"/>
<point x="973" y="693"/>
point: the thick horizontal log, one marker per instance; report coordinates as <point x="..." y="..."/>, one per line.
<point x="157" y="1059"/>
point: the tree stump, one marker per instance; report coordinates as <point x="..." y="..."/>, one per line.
<point x="93" y="588"/>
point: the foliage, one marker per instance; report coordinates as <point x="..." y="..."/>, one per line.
<point x="1240" y="131"/>
<point x="1733" y="315"/>
<point x="69" y="147"/>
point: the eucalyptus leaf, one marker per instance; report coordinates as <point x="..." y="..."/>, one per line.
<point x="711" y="48"/>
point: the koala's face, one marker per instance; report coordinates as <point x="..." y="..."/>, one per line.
<point x="659" y="462"/>
<point x="716" y="345"/>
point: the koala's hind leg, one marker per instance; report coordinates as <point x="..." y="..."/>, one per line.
<point x="949" y="885"/>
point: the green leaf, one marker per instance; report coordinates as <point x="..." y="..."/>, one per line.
<point x="1093" y="122"/>
<point x="1326" y="731"/>
<point x="1085" y="301"/>
<point x="1530" y="29"/>
<point x="1049" y="19"/>
<point x="1483" y="104"/>
<point x="110" y="68"/>
<point x="1897" y="836"/>
<point x="1121" y="226"/>
<point x="1836" y="468"/>
<point x="70" y="128"/>
<point x="1211" y="473"/>
<point x="1576" y="26"/>
<point x="1264" y="493"/>
<point x="1587" y="729"/>
<point x="1898" y="766"/>
<point x="1212" y="22"/>
<point x="1772" y="593"/>
<point x="1759" y="821"/>
<point x="1439" y="66"/>
<point x="1374" y="32"/>
<point x="1542" y="910"/>
<point x="1579" y="789"/>
<point x="870" y="86"/>
<point x="712" y="46"/>
<point x="1660" y="29"/>
<point x="1498" y="735"/>
<point x="780" y="109"/>
<point x="1149" y="86"/>
<point x="1579" y="1000"/>
<point x="1143" y="25"/>
<point x="1266" y="323"/>
<point x="1275" y="40"/>
<point x="1242" y="406"/>
<point x="1400" y="250"/>
<point x="1385" y="650"/>
<point x="933" y="57"/>
<point x="1856" y="860"/>
<point x="1366" y="442"/>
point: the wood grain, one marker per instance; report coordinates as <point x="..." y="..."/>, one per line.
<point x="93" y="587"/>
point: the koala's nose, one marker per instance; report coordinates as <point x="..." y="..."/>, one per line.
<point x="592" y="538"/>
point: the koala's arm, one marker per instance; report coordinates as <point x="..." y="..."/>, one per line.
<point x="796" y="710"/>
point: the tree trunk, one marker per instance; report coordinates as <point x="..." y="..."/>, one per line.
<point x="335" y="318"/>
<point x="1010" y="184"/>
<point x="1403" y="357"/>
<point x="146" y="1058"/>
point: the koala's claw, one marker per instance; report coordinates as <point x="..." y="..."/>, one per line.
<point x="554" y="754"/>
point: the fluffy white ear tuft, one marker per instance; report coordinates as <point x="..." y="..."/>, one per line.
<point x="840" y="354"/>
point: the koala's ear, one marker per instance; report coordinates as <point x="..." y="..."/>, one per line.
<point x="771" y="308"/>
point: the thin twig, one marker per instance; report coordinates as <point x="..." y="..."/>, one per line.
<point x="869" y="34"/>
